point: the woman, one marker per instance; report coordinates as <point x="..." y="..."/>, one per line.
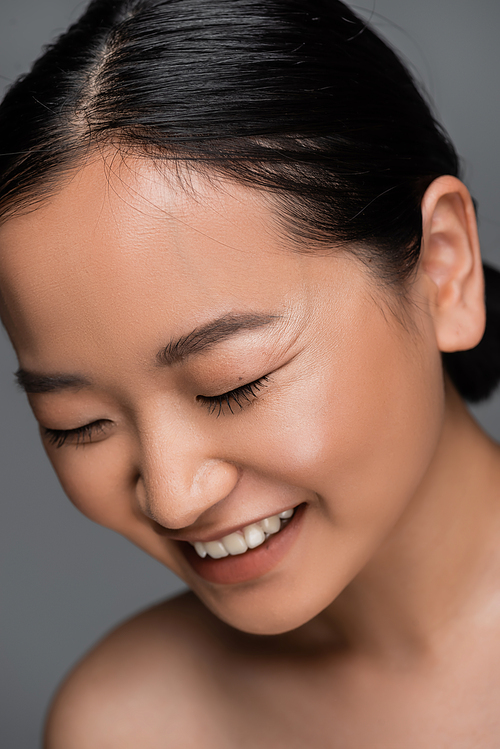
<point x="235" y="256"/>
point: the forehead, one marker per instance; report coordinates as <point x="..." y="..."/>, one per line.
<point x="124" y="246"/>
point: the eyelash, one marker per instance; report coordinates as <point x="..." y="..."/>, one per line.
<point x="81" y="435"/>
<point x="247" y="392"/>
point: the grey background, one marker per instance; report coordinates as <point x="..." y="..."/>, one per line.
<point x="65" y="581"/>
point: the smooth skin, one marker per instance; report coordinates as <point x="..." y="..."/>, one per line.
<point x="380" y="626"/>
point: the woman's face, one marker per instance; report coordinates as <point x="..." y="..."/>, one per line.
<point x="134" y="304"/>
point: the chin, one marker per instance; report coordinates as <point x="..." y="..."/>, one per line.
<point x="260" y="609"/>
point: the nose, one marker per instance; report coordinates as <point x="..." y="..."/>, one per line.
<point x="179" y="480"/>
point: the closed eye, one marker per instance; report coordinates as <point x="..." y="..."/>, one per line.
<point x="239" y="397"/>
<point x="78" y="436"/>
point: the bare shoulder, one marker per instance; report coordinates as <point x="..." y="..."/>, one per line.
<point x="144" y="683"/>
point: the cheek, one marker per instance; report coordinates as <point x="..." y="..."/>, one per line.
<point x="98" y="480"/>
<point x="101" y="481"/>
<point x="363" y="432"/>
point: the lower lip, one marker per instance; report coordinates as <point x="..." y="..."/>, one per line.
<point x="253" y="563"/>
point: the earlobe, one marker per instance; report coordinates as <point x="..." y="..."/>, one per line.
<point x="451" y="263"/>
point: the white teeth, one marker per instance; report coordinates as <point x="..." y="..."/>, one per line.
<point x="270" y="525"/>
<point x="254" y="535"/>
<point x="250" y="537"/>
<point x="235" y="543"/>
<point x="215" y="549"/>
<point x="200" y="548"/>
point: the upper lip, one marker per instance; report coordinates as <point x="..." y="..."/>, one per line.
<point x="192" y="537"/>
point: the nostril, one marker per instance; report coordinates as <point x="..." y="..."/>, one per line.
<point x="143" y="498"/>
<point x="173" y="503"/>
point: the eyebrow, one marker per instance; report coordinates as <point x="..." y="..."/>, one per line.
<point x="31" y="382"/>
<point x="211" y="334"/>
<point x="178" y="350"/>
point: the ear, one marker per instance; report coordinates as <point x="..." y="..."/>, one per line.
<point x="451" y="265"/>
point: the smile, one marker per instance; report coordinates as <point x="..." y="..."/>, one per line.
<point x="259" y="548"/>
<point x="249" y="537"/>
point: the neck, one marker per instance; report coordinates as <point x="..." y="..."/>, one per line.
<point x="441" y="559"/>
